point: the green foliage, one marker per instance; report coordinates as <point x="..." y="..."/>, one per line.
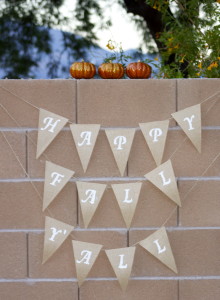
<point x="84" y="13"/>
<point x="117" y="54"/>
<point x="25" y="37"/>
<point x="190" y="38"/>
<point x="189" y="44"/>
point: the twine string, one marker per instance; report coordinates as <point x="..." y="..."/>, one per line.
<point x="36" y="190"/>
<point x="36" y="107"/>
<point x="19" y="162"/>
<point x="212" y="162"/>
<point x="20" y="98"/>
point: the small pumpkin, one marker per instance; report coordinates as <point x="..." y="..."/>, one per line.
<point x="138" y="70"/>
<point x="82" y="70"/>
<point x="111" y="70"/>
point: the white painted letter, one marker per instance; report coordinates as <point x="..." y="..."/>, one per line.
<point x="56" y="178"/>
<point x="165" y="182"/>
<point x="119" y="141"/>
<point x="86" y="136"/>
<point x="189" y="120"/>
<point x="91" y="197"/>
<point x="155" y="133"/>
<point x="126" y="200"/>
<point x="48" y="121"/>
<point x="121" y="266"/>
<point x="160" y="250"/>
<point x="55" y="232"/>
<point x="86" y="257"/>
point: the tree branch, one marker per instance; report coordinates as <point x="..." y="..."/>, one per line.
<point x="152" y="17"/>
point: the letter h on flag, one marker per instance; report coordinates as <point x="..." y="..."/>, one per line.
<point x="49" y="126"/>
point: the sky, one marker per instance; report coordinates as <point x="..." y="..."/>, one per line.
<point x="122" y="31"/>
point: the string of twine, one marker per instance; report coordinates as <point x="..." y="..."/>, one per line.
<point x="36" y="190"/>
<point x="34" y="106"/>
<point x="195" y="184"/>
<point x="20" y="163"/>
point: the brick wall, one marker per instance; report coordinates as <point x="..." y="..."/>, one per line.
<point x="193" y="230"/>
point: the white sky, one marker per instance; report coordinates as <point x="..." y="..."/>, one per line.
<point x="122" y="30"/>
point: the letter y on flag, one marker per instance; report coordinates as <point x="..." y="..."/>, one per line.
<point x="189" y="119"/>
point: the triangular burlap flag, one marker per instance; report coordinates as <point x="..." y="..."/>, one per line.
<point x="159" y="246"/>
<point x="90" y="195"/>
<point x="49" y="126"/>
<point x="120" y="141"/>
<point x="127" y="195"/>
<point x="155" y="134"/>
<point x="164" y="179"/>
<point x="122" y="262"/>
<point x="85" y="254"/>
<point x="85" y="138"/>
<point x="189" y="120"/>
<point x="56" y="177"/>
<point x="56" y="233"/>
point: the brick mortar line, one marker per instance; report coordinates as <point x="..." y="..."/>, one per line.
<point x="104" y="179"/>
<point x="73" y="279"/>
<point x="118" y="229"/>
<point x="26" y="154"/>
<point x="27" y="256"/>
<point x="29" y="129"/>
<point x="176" y="97"/>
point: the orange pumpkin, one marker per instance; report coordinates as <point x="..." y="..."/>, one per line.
<point x="138" y="70"/>
<point x="85" y="70"/>
<point x="111" y="70"/>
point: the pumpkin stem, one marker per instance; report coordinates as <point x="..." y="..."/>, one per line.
<point x="82" y="60"/>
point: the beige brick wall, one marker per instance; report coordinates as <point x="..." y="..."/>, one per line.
<point x="193" y="229"/>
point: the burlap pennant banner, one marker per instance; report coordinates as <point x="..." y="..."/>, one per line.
<point x="56" y="232"/>
<point x="49" y="126"/>
<point x="120" y="141"/>
<point x="85" y="138"/>
<point x="127" y="195"/>
<point x="163" y="178"/>
<point x="155" y="134"/>
<point x="85" y="255"/>
<point x="90" y="195"/>
<point x="159" y="246"/>
<point x="122" y="261"/>
<point x="56" y="177"/>
<point x="189" y="119"/>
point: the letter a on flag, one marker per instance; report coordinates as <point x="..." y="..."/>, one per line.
<point x="90" y="195"/>
<point x="120" y="141"/>
<point x="85" y="255"/>
<point x="189" y="119"/>
<point x="163" y="178"/>
<point x="159" y="246"/>
<point x="56" y="232"/>
<point x="85" y="138"/>
<point x="155" y="134"/>
<point x="56" y="177"/>
<point x="122" y="261"/>
<point x="48" y="128"/>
